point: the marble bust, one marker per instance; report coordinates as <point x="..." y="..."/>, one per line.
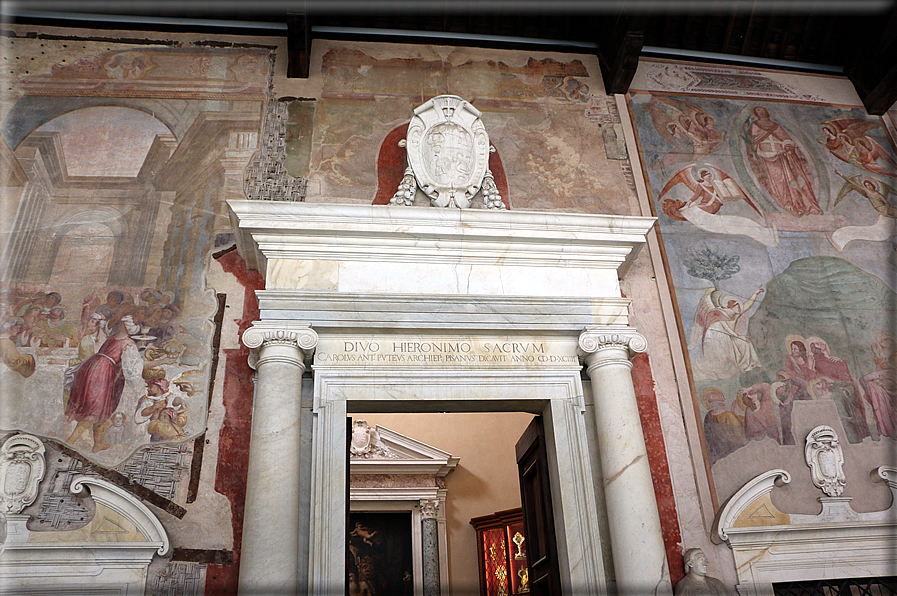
<point x="696" y="581"/>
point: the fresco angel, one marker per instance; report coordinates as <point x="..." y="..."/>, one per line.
<point x="721" y="328"/>
<point x="687" y="128"/>
<point x="711" y="187"/>
<point x="878" y="194"/>
<point x="846" y="139"/>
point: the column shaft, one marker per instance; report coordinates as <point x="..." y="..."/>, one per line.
<point x="430" y="547"/>
<point x="635" y="533"/>
<point x="270" y="549"/>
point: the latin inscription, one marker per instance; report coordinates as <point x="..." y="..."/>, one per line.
<point x="441" y="352"/>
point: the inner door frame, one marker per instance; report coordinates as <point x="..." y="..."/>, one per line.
<point x="555" y="394"/>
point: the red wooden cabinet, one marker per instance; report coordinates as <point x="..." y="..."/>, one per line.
<point x="501" y="552"/>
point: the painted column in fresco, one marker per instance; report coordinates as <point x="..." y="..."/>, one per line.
<point x="635" y="534"/>
<point x="430" y="546"/>
<point x="270" y="552"/>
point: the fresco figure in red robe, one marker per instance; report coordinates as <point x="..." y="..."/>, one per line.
<point x="781" y="165"/>
<point x="843" y="389"/>
<point x="100" y="380"/>
<point x="798" y="363"/>
<point x="881" y="386"/>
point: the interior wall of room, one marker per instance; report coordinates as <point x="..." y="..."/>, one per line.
<point x="213" y="116"/>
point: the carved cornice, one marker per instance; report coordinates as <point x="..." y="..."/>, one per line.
<point x="605" y="345"/>
<point x="268" y="230"/>
<point x="268" y="334"/>
<point x="429" y="508"/>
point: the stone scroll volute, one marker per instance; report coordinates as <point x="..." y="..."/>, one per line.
<point x="264" y="333"/>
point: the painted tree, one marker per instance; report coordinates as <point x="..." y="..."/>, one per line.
<point x="714" y="266"/>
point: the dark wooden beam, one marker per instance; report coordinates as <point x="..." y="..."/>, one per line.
<point x="873" y="69"/>
<point x="620" y="41"/>
<point x="298" y="45"/>
<point x="727" y="39"/>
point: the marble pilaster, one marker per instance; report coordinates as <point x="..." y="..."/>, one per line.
<point x="430" y="546"/>
<point x="635" y="533"/>
<point x="270" y="553"/>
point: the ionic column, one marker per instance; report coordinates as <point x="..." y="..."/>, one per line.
<point x="635" y="534"/>
<point x="269" y="560"/>
<point x="430" y="545"/>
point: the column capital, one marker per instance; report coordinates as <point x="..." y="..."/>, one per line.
<point x="429" y="508"/>
<point x="599" y="337"/>
<point x="298" y="339"/>
<point x="604" y="344"/>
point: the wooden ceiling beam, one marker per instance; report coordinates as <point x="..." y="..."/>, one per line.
<point x="727" y="39"/>
<point x="298" y="45"/>
<point x="620" y="41"/>
<point x="873" y="69"/>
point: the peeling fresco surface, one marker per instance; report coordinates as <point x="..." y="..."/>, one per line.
<point x="105" y="318"/>
<point x="558" y="136"/>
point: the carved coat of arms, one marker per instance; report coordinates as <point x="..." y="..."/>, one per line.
<point x="366" y="443"/>
<point x="447" y="152"/>
<point x="824" y="456"/>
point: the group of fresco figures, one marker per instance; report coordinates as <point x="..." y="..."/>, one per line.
<point x="776" y="157"/>
<point x="763" y="410"/>
<point x="108" y="358"/>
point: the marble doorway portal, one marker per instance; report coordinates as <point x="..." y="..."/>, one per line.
<point x="433" y="310"/>
<point x="395" y="474"/>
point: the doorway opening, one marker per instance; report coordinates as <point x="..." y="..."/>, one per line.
<point x="554" y="394"/>
<point x="485" y="480"/>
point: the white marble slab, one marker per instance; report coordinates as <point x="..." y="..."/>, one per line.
<point x="268" y="231"/>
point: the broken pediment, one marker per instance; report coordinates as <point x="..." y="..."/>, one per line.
<point x="379" y="450"/>
<point x="837" y="542"/>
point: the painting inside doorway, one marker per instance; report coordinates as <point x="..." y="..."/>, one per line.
<point x="380" y="556"/>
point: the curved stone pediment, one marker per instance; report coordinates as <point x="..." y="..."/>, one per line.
<point x="113" y="551"/>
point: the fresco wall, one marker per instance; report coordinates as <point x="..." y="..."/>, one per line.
<point x="120" y="157"/>
<point x="117" y="160"/>
<point x="558" y="137"/>
<point x="105" y="314"/>
<point x="777" y="214"/>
